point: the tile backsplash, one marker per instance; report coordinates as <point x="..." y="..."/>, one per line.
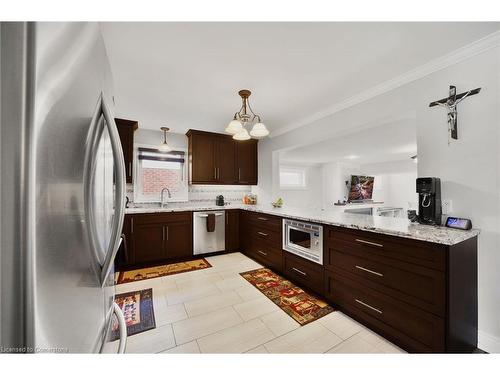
<point x="207" y="193"/>
<point x="231" y="193"/>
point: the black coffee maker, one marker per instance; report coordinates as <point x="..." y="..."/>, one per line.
<point x="219" y="200"/>
<point x="429" y="200"/>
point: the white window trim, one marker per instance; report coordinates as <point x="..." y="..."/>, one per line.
<point x="293" y="168"/>
<point x="139" y="198"/>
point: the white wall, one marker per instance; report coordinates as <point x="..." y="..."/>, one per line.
<point x="334" y="177"/>
<point x="469" y="168"/>
<point x="309" y="197"/>
<point x="394" y="183"/>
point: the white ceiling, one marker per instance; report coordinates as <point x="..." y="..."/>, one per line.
<point x="186" y="75"/>
<point x="387" y="142"/>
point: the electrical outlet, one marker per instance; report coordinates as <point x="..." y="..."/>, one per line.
<point x="447" y="206"/>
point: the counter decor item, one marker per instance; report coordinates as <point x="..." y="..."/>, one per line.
<point x="278" y="203"/>
<point x="250" y="199"/>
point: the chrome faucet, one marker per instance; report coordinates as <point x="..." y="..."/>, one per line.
<point x="162" y="204"/>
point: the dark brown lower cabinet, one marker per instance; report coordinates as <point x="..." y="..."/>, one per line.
<point x="232" y="230"/>
<point x="178" y="243"/>
<point x="411" y="328"/>
<point x="260" y="239"/>
<point x="303" y="272"/>
<point x="422" y="296"/>
<point x="155" y="238"/>
<point x="149" y="243"/>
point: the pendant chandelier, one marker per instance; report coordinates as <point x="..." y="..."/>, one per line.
<point x="245" y="116"/>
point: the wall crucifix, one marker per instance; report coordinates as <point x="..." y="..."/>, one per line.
<point x="451" y="103"/>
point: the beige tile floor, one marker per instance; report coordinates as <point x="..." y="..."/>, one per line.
<point x="215" y="310"/>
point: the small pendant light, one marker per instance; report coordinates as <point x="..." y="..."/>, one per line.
<point x="164" y="147"/>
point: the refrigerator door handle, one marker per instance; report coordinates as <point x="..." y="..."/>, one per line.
<point x="120" y="187"/>
<point x="122" y="326"/>
<point x="105" y="265"/>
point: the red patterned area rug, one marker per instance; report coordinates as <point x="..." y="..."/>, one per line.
<point x="300" y="305"/>
<point x="163" y="270"/>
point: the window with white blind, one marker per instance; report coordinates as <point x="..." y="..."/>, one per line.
<point x="292" y="177"/>
<point x="157" y="170"/>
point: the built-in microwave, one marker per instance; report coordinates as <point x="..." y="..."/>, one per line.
<point x="303" y="239"/>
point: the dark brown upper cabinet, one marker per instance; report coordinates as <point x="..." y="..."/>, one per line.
<point x="218" y="159"/>
<point x="126" y="129"/>
<point x="247" y="162"/>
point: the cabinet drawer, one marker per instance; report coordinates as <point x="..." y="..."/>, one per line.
<point x="422" y="287"/>
<point x="265" y="235"/>
<point x="268" y="256"/>
<point x="304" y="272"/>
<point x="408" y="326"/>
<point x="369" y="244"/>
<point x="166" y="217"/>
<point x="269" y="222"/>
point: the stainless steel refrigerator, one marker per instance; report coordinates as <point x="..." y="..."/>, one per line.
<point x="62" y="189"/>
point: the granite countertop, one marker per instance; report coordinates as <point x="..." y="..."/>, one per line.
<point x="400" y="227"/>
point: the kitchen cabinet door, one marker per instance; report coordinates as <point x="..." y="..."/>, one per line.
<point x="179" y="240"/>
<point x="226" y="161"/>
<point x="247" y="162"/>
<point x="149" y="242"/>
<point x="232" y="230"/>
<point x="126" y="129"/>
<point x="202" y="153"/>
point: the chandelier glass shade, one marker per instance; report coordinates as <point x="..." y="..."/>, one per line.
<point x="246" y="116"/>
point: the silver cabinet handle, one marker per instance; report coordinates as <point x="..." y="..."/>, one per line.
<point x="215" y="173"/>
<point x="262" y="218"/>
<point x="369" y="243"/>
<point x="163" y="233"/>
<point x="367" y="305"/>
<point x="370" y="271"/>
<point x="130" y="169"/>
<point x="262" y="252"/>
<point x="132" y="225"/>
<point x="167" y="232"/>
<point x="263" y="234"/>
<point x="299" y="271"/>
<point x="239" y="174"/>
<point x="123" y="328"/>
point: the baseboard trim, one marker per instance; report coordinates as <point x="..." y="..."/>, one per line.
<point x="488" y="342"/>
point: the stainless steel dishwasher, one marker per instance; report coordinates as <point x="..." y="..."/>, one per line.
<point x="205" y="241"/>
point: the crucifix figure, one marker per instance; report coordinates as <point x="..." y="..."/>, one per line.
<point x="451" y="103"/>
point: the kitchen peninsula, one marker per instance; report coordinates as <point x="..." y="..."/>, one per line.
<point x="414" y="284"/>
